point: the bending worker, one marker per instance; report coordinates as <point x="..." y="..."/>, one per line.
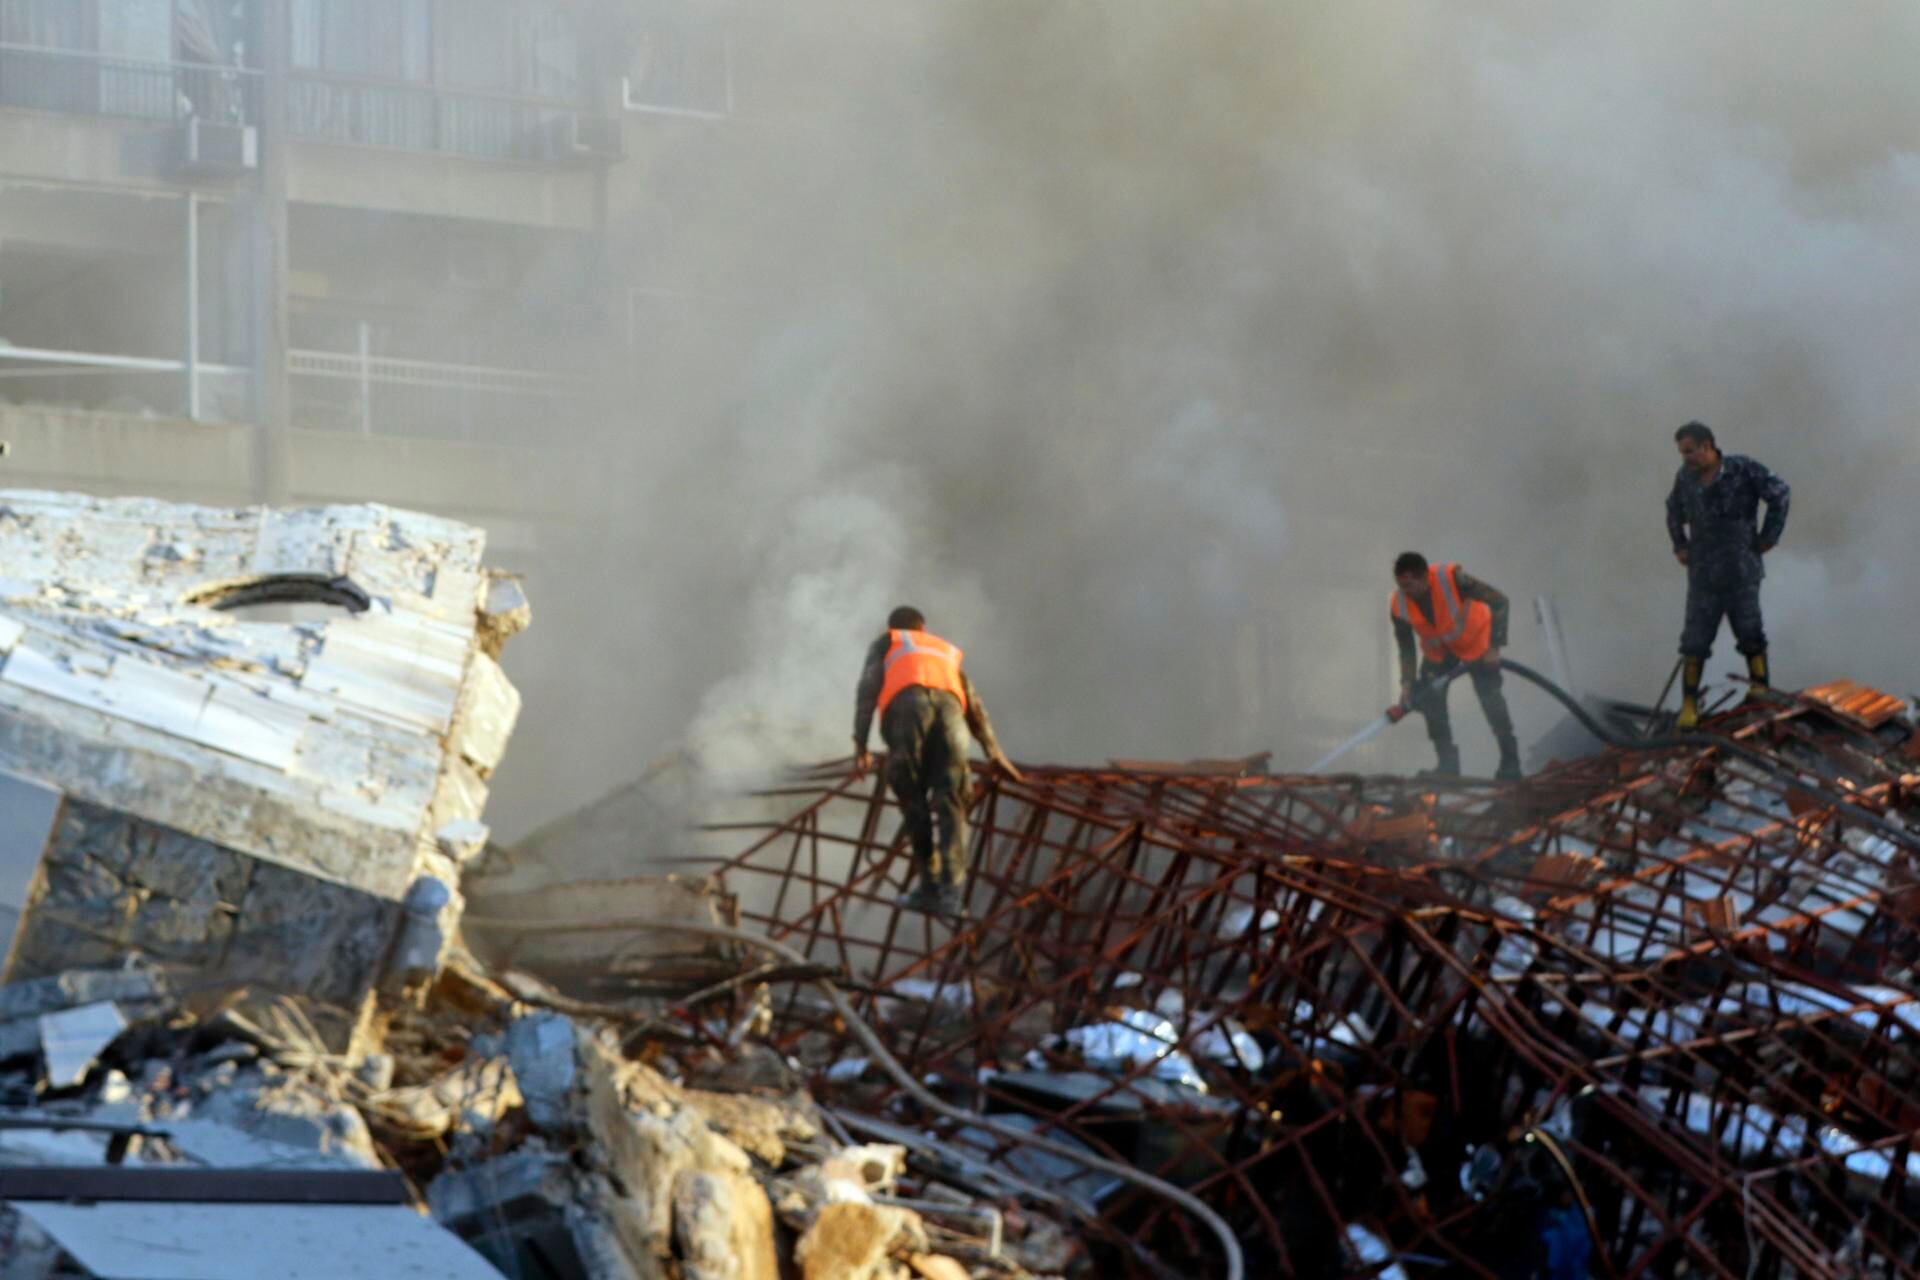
<point x="1458" y="619"/>
<point x="1710" y="515"/>
<point x="927" y="705"/>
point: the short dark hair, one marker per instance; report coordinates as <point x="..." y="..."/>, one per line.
<point x="906" y="618"/>
<point x="1409" y="562"/>
<point x="1698" y="432"/>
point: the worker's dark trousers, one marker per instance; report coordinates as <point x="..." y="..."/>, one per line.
<point x="1739" y="604"/>
<point x="1431" y="700"/>
<point x="926" y="735"/>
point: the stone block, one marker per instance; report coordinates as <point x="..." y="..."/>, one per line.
<point x="91" y="831"/>
<point x="460" y="793"/>
<point x="187" y="868"/>
<point x="541" y="1048"/>
<point x="484" y="717"/>
<point x="194" y="934"/>
<point x="87" y="895"/>
<point x="298" y="934"/>
<point x="66" y="990"/>
<point x="287" y="1111"/>
<point x="723" y="1227"/>
<point x="854" y="1241"/>
<point x="760" y="1126"/>
<point x="463" y="840"/>
<point x="43" y="944"/>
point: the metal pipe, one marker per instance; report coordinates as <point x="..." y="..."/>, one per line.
<point x="193" y="306"/>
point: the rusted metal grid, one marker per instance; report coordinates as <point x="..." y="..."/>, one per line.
<point x="1388" y="1024"/>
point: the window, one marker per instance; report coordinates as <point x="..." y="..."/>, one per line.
<point x="684" y="68"/>
<point x="476" y="44"/>
<point x="511" y="47"/>
<point x="385" y="39"/>
<point x="553" y="54"/>
<point x="137" y="29"/>
<point x="47" y="24"/>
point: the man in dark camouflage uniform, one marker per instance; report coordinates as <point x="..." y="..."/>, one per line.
<point x="926" y="734"/>
<point x="1710" y="517"/>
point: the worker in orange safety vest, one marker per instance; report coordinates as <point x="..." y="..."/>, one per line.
<point x="1457" y="620"/>
<point x="927" y="706"/>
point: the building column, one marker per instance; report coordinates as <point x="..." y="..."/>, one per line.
<point x="273" y="408"/>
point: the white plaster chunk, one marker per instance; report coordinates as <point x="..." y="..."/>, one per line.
<point x="489" y="707"/>
<point x="72" y="1038"/>
<point x="463" y="840"/>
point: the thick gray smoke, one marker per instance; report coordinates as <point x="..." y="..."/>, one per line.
<point x="1131" y="339"/>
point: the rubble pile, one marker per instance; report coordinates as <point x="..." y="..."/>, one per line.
<point x="241" y="1027"/>
<point x="276" y="1005"/>
<point x="1652" y="1012"/>
<point x="555" y="1145"/>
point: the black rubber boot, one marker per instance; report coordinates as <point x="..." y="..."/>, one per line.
<point x="1689" y="718"/>
<point x="1757" y="676"/>
<point x="930" y="899"/>
<point x="1509" y="770"/>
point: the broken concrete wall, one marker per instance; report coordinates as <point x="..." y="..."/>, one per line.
<point x="111" y="885"/>
<point x="245" y="796"/>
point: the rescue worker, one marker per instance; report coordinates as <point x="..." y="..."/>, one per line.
<point x="1457" y="619"/>
<point x="927" y="705"/>
<point x="1710" y="517"/>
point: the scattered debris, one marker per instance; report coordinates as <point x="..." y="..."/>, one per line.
<point x="1657" y="1005"/>
<point x="1650" y="1012"/>
<point x="72" y="1038"/>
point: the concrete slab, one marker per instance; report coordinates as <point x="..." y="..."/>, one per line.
<point x="142" y="1241"/>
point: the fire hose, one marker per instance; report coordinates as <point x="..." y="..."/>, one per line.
<point x="1757" y="760"/>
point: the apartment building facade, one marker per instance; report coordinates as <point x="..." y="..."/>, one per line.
<point x="347" y="250"/>
<point x="278" y="238"/>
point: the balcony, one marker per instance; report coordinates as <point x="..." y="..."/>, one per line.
<point x="382" y="396"/>
<point x="76" y="82"/>
<point x="327" y="107"/>
<point x="324" y="107"/>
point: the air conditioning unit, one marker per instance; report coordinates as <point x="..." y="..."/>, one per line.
<point x="577" y="139"/>
<point x="209" y="149"/>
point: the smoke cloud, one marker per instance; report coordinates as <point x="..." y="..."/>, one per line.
<point x="1131" y="340"/>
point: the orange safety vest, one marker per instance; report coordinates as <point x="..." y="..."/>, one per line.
<point x="1465" y="633"/>
<point x="920" y="658"/>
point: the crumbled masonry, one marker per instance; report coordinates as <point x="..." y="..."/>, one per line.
<point x="281" y="803"/>
<point x="241" y="1028"/>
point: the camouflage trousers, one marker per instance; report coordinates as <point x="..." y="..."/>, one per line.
<point x="1431" y="700"/>
<point x="1739" y="604"/>
<point x="926" y="735"/>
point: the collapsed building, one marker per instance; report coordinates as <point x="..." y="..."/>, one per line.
<point x="1650" y="1012"/>
<point x="1653" y="1012"/>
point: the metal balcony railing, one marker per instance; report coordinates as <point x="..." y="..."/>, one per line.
<point x="80" y="83"/>
<point x="321" y="106"/>
<point x="385" y="396"/>
<point x="325" y="107"/>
